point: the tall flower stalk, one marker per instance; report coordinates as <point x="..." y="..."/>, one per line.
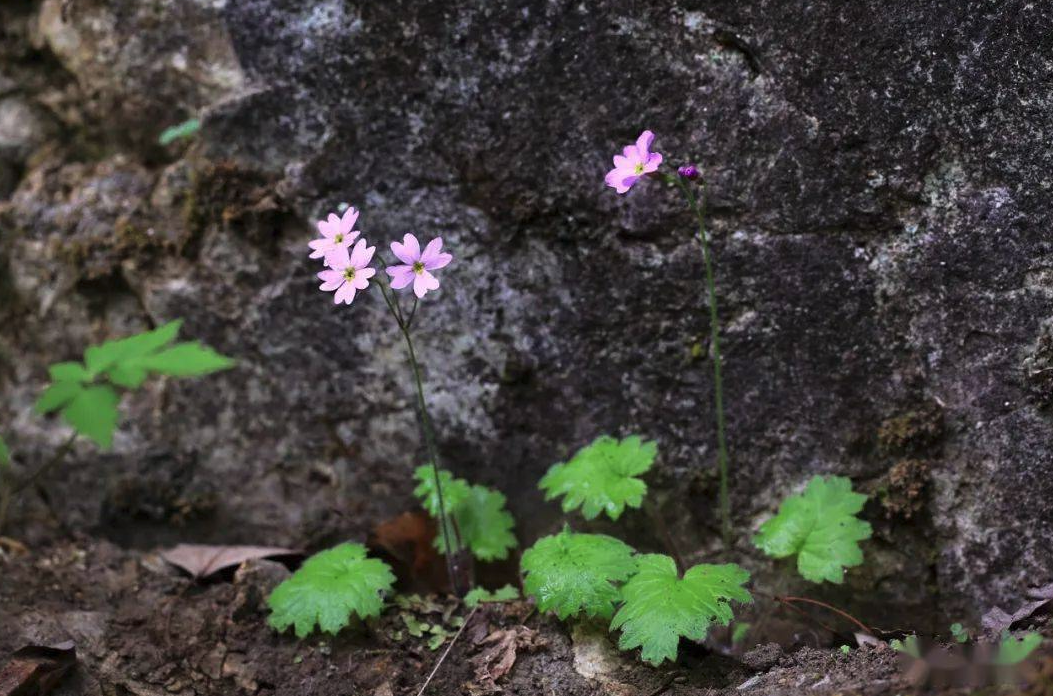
<point x="349" y="271"/>
<point x="636" y="162"/>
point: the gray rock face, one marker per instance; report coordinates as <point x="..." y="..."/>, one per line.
<point x="880" y="198"/>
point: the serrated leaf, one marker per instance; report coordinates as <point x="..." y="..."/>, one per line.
<point x="819" y="527"/>
<point x="454" y="490"/>
<point x="101" y="358"/>
<point x="328" y="588"/>
<point x="68" y="372"/>
<point x="573" y="573"/>
<point x="190" y="359"/>
<point x="93" y="414"/>
<point x="481" y="595"/>
<point x="127" y="375"/>
<point x="58" y="395"/>
<point x="601" y="477"/>
<point x="484" y="523"/>
<point x="660" y="607"/>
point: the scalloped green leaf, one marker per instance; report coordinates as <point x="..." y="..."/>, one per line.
<point x="818" y="526"/>
<point x="328" y="589"/>
<point x="570" y="573"/>
<point x="602" y="477"/>
<point x="661" y="607"/>
<point x="484" y="524"/>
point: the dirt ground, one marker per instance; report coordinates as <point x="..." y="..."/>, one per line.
<point x="143" y="627"/>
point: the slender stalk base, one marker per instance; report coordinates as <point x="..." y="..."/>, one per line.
<point x="714" y="340"/>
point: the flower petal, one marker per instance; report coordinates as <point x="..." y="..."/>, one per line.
<point x="654" y="160"/>
<point x="347" y="222"/>
<point x="362" y="255"/>
<point x="643" y="144"/>
<point x="332" y="280"/>
<point x="408" y="251"/>
<point x="423" y="283"/>
<point x="345" y="294"/>
<point x="318" y="243"/>
<point x="337" y="257"/>
<point x="441" y="261"/>
<point x="401" y="276"/>
<point x="431" y="251"/>
<point x="326" y="229"/>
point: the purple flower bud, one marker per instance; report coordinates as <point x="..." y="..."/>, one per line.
<point x="689" y="172"/>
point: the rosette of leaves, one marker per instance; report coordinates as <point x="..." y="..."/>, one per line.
<point x="660" y="607"/>
<point x="602" y="477"/>
<point x="820" y="528"/>
<point x="328" y="589"/>
<point x="86" y="393"/>
<point x="484" y="525"/>
<point x="571" y="574"/>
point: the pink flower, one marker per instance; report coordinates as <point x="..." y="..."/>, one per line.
<point x="347" y="277"/>
<point x="634" y="162"/>
<point x="416" y="265"/>
<point x="337" y="237"/>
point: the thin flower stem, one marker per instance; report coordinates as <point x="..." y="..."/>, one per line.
<point x="714" y="340"/>
<point x="452" y="549"/>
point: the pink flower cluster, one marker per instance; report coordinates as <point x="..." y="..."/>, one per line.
<point x="349" y="267"/>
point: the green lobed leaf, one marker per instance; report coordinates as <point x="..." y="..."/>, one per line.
<point x="570" y="573"/>
<point x="481" y="595"/>
<point x="484" y="523"/>
<point x="601" y="477"/>
<point x="69" y="372"/>
<point x="93" y="414"/>
<point x="454" y="490"/>
<point x="190" y="359"/>
<point x="819" y="527"/>
<point x="101" y="358"/>
<point x="58" y="395"/>
<point x="186" y="129"/>
<point x="328" y="588"/>
<point x="660" y="607"/>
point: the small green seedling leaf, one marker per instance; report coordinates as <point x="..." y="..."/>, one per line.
<point x="1013" y="651"/>
<point x="573" y="573"/>
<point x="328" y="588"/>
<point x="960" y="633"/>
<point x="186" y="129"/>
<point x="820" y="528"/>
<point x="480" y="595"/>
<point x="602" y="477"/>
<point x="93" y="414"/>
<point x="660" y="606"/>
<point x="907" y="646"/>
<point x="845" y="649"/>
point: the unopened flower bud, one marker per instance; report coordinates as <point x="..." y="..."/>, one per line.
<point x="689" y="172"/>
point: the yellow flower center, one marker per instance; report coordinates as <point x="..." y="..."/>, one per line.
<point x="349" y="273"/>
<point x="418" y="268"/>
<point x="638" y="168"/>
<point x="339" y="238"/>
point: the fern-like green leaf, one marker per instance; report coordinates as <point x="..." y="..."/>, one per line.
<point x="93" y="414"/>
<point x="573" y="573"/>
<point x="660" y="607"/>
<point x="602" y="477"/>
<point x="819" y="526"/>
<point x="328" y="588"/>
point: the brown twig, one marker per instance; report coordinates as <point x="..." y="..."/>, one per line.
<point x="449" y="647"/>
<point x="824" y="605"/>
<point x="666" y="683"/>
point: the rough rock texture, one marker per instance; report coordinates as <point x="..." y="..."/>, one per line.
<point x="880" y="194"/>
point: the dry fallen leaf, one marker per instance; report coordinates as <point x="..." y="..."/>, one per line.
<point x="408" y="540"/>
<point x="36" y="669"/>
<point x="498" y="658"/>
<point x="202" y="560"/>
